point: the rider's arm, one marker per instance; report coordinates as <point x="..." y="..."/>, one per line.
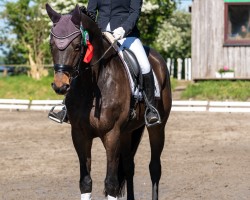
<point x="135" y="11"/>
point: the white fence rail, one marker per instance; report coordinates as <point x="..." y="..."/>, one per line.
<point x="24" y="104"/>
<point x="211" y="106"/>
<point x="180" y="68"/>
<point x="14" y="104"/>
<point x="45" y="104"/>
<point x="184" y="106"/>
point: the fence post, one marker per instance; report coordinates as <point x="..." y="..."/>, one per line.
<point x="179" y="68"/>
<point x="188" y="69"/>
<point x="169" y="66"/>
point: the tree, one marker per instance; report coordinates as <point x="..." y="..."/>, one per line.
<point x="174" y="39"/>
<point x="154" y="13"/>
<point x="25" y="20"/>
<point x="28" y="22"/>
<point x="63" y="6"/>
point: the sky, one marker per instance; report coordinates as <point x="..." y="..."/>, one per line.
<point x="184" y="4"/>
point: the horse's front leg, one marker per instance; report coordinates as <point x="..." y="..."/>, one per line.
<point x="83" y="145"/>
<point x="111" y="141"/>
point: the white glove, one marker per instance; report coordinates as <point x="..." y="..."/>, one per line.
<point x="119" y="33"/>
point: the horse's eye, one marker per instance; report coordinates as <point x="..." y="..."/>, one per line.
<point x="78" y="47"/>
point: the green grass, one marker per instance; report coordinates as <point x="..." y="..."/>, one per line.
<point x="174" y="83"/>
<point x="23" y="87"/>
<point x="218" y="90"/>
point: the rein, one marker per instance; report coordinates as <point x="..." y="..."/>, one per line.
<point x="105" y="53"/>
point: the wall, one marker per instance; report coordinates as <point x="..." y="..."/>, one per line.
<point x="208" y="53"/>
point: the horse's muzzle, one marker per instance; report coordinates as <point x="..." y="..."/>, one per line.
<point x="60" y="90"/>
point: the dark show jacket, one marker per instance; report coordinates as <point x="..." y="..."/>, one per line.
<point x="124" y="13"/>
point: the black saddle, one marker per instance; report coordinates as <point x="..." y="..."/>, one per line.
<point x="134" y="67"/>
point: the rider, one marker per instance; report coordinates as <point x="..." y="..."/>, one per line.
<point x="120" y="17"/>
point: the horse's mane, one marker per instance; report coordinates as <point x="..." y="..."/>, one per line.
<point x="85" y="11"/>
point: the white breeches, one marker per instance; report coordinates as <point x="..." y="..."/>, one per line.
<point x="134" y="44"/>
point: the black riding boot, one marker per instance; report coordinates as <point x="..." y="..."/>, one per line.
<point x="148" y="87"/>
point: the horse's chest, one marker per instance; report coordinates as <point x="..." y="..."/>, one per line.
<point x="95" y="115"/>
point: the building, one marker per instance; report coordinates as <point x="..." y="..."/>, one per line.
<point x="220" y="38"/>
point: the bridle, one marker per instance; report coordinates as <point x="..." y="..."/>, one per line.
<point x="73" y="71"/>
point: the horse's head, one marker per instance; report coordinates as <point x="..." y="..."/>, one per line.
<point x="69" y="43"/>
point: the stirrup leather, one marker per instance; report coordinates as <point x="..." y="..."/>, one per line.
<point x="54" y="115"/>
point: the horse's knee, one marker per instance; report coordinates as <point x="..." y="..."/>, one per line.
<point x="85" y="184"/>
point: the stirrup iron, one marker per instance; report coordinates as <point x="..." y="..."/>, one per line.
<point x="54" y="115"/>
<point x="151" y="108"/>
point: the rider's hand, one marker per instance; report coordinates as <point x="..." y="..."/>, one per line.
<point x="119" y="33"/>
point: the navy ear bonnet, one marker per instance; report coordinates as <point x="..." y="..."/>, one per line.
<point x="64" y="32"/>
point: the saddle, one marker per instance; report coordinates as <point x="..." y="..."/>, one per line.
<point x="134" y="73"/>
<point x="129" y="60"/>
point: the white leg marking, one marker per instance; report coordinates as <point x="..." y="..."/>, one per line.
<point x="112" y="198"/>
<point x="86" y="196"/>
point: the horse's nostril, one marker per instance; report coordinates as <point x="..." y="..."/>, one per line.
<point x="66" y="87"/>
<point x="60" y="90"/>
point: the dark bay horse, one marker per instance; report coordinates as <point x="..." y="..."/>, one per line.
<point x="98" y="101"/>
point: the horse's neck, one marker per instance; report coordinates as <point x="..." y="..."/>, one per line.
<point x="102" y="68"/>
<point x="95" y="37"/>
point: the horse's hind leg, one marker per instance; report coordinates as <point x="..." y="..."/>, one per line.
<point x="129" y="145"/>
<point x="83" y="148"/>
<point x="156" y="137"/>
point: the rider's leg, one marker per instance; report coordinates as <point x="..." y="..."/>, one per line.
<point x="135" y="45"/>
<point x="148" y="85"/>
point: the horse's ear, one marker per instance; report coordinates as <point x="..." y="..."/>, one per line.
<point x="76" y="16"/>
<point x="53" y="15"/>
